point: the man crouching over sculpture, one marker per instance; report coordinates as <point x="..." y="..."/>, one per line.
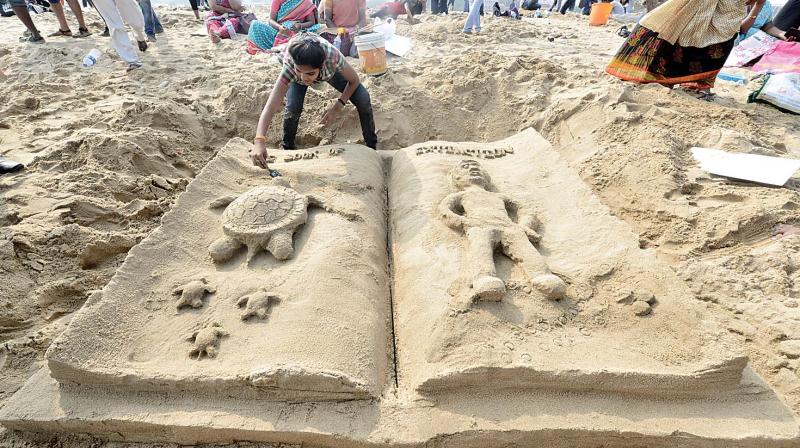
<point x="487" y="219"/>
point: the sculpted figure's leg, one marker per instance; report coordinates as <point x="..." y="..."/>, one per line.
<point x="480" y="262"/>
<point x="517" y="246"/>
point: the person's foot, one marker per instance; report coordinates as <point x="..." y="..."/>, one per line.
<point x="32" y="39"/>
<point x="61" y="33"/>
<point x="151" y="37"/>
<point x="10" y="166"/>
<point x="82" y="32"/>
<point x="133" y="66"/>
<point x="488" y="288"/>
<point x="160" y="31"/>
<point x="106" y="33"/>
<point x="214" y="37"/>
<point x="142" y="45"/>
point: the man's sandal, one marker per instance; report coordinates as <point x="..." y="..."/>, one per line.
<point x="60" y="33"/>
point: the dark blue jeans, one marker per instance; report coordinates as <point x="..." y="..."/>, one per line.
<point x="151" y="23"/>
<point x="296" y="96"/>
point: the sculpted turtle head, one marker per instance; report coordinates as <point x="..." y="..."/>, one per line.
<point x="467" y="173"/>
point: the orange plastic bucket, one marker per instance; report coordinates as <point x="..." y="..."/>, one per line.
<point x="600" y="14"/>
<point x="372" y="53"/>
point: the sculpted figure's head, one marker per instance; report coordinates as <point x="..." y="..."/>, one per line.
<point x="467" y="173"/>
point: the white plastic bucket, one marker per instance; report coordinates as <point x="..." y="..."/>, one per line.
<point x="372" y="53"/>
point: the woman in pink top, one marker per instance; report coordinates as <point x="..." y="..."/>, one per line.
<point x="345" y="13"/>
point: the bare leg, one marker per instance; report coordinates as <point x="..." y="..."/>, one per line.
<point x="480" y="261"/>
<point x="58" y="8"/>
<point x="519" y="248"/>
<point x="25" y="18"/>
<point x="75" y="6"/>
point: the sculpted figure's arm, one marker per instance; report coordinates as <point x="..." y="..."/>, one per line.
<point x="447" y="211"/>
<point x="526" y="218"/>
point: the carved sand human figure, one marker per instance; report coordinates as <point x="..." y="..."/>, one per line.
<point x="486" y="218"/>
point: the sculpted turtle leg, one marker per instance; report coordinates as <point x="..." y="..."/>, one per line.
<point x="223" y="249"/>
<point x="480" y="257"/>
<point x="519" y="248"/>
<point x="280" y="245"/>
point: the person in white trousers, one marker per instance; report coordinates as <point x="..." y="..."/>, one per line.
<point x="116" y="13"/>
<point x="474" y="17"/>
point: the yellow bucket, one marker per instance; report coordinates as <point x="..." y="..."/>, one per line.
<point x="372" y="53"/>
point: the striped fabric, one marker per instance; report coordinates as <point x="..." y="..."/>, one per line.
<point x="334" y="61"/>
<point x="696" y="23"/>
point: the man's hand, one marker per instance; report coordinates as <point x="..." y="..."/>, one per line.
<point x="259" y="155"/>
<point x="330" y="115"/>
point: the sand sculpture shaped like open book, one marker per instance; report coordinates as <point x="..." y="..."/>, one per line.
<point x="507" y="273"/>
<point x="454" y="271"/>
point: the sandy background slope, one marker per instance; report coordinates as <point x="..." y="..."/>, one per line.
<point x="109" y="152"/>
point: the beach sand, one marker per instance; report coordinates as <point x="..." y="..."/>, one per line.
<point x="108" y="152"/>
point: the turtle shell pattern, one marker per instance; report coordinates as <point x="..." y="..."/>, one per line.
<point x="263" y="210"/>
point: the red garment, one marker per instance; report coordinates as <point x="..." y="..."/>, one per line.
<point x="395" y="8"/>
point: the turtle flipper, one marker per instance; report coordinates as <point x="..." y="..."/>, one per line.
<point x="280" y="245"/>
<point x="221" y="202"/>
<point x="223" y="249"/>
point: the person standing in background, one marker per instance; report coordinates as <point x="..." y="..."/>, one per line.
<point x="473" y="23"/>
<point x="152" y="25"/>
<point x="116" y="13"/>
<point x="63" y="26"/>
<point x="682" y="42"/>
<point x="20" y="8"/>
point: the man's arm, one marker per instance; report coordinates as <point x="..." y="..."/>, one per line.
<point x="362" y="14"/>
<point x="327" y="9"/>
<point x="259" y="154"/>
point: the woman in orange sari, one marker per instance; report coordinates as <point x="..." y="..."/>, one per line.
<point x="682" y="42"/>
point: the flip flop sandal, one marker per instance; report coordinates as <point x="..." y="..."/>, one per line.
<point x="32" y="39"/>
<point x="134" y="66"/>
<point x="142" y="45"/>
<point x="82" y="32"/>
<point x="59" y="33"/>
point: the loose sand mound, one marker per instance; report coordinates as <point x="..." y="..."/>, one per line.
<point x="108" y="153"/>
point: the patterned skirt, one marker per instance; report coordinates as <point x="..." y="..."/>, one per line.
<point x="646" y="58"/>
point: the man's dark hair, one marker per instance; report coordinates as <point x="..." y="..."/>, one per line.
<point x="307" y="50"/>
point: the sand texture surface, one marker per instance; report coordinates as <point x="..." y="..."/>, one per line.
<point x="108" y="154"/>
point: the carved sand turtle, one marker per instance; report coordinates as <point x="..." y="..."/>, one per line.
<point x="265" y="218"/>
<point x="206" y="341"/>
<point x="192" y="293"/>
<point x="257" y="304"/>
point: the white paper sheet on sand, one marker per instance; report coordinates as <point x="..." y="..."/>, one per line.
<point x="753" y="167"/>
<point x="398" y="45"/>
